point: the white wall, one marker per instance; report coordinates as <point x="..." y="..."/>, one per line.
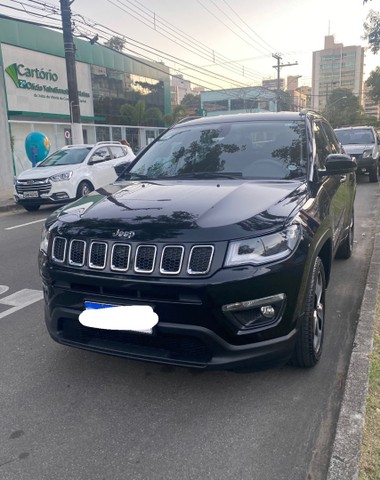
<point x="6" y="169"/>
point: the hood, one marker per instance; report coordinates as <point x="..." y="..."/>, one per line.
<point x="357" y="149"/>
<point x="193" y="211"/>
<point x="45" y="172"/>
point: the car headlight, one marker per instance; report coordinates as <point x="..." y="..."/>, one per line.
<point x="266" y="249"/>
<point x="61" y="177"/>
<point x="367" y="153"/>
<point x="45" y="236"/>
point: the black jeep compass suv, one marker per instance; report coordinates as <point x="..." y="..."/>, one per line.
<point x="213" y="249"/>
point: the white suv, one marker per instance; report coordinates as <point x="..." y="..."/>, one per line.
<point x="70" y="173"/>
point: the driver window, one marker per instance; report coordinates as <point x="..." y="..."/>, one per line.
<point x="101" y="155"/>
<point x="321" y="145"/>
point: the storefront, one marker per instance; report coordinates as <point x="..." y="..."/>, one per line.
<point x="35" y="93"/>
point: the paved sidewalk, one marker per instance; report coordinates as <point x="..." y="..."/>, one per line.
<point x="6" y="199"/>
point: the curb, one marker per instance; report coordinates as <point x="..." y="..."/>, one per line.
<point x="345" y="457"/>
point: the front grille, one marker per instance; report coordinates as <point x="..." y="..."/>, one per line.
<point x="139" y="259"/>
<point x="42" y="186"/>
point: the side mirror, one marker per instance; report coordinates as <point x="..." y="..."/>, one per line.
<point x="98" y="159"/>
<point x="339" y="164"/>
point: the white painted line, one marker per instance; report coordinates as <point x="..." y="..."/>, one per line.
<point x="21" y="299"/>
<point x="25" y="224"/>
<point x="3" y="289"/>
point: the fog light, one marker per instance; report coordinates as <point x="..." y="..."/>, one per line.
<point x="256" y="314"/>
<point x="267" y="311"/>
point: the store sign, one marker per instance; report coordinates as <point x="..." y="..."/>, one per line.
<point x="37" y="82"/>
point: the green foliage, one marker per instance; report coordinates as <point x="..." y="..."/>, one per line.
<point x="372" y="31"/>
<point x="138" y="114"/>
<point x="177" y="113"/>
<point x="373" y="82"/>
<point x="191" y="101"/>
<point x="116" y="43"/>
<point x="342" y="108"/>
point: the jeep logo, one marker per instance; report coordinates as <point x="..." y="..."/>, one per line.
<point x="123" y="234"/>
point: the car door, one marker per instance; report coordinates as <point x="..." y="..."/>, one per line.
<point x="101" y="166"/>
<point x="336" y="186"/>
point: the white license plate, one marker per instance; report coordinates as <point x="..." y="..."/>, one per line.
<point x="133" y="318"/>
<point x="32" y="194"/>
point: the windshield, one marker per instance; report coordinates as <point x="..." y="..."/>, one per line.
<point x="71" y="156"/>
<point x="358" y="136"/>
<point x="256" y="149"/>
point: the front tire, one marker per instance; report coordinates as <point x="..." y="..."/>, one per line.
<point x="32" y="208"/>
<point x="84" y="188"/>
<point x="308" y="348"/>
<point x="373" y="175"/>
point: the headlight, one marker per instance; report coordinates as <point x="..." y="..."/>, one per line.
<point x="44" y="243"/>
<point x="266" y="249"/>
<point x="61" y="177"/>
<point x="367" y="153"/>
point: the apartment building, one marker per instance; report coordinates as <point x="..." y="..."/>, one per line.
<point x="336" y="66"/>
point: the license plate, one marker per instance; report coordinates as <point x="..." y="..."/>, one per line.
<point x="32" y="194"/>
<point x="132" y="318"/>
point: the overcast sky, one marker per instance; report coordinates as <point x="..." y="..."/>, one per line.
<point x="240" y="35"/>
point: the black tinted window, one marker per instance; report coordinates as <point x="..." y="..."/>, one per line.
<point x="259" y="149"/>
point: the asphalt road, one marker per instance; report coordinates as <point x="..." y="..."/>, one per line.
<point x="75" y="415"/>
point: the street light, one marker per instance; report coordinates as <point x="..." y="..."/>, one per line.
<point x="336" y="101"/>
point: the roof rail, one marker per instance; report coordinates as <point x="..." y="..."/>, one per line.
<point x="187" y="119"/>
<point x="105" y="142"/>
<point x="304" y="111"/>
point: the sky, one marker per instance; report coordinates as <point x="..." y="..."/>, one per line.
<point x="221" y="43"/>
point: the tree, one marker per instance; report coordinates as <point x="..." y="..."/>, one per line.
<point x="116" y="43"/>
<point x="373" y="82"/>
<point x="342" y="108"/>
<point x="372" y="31"/>
<point x="138" y="114"/>
<point x="191" y="103"/>
<point x="177" y="113"/>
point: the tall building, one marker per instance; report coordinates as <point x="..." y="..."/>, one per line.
<point x="179" y="88"/>
<point x="272" y="84"/>
<point x="336" y="66"/>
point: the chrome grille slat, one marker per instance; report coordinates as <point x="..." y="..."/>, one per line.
<point x="171" y="259"/>
<point x="59" y="249"/>
<point x="145" y="258"/>
<point x="200" y="259"/>
<point x="126" y="257"/>
<point x="120" y="257"/>
<point x="77" y="253"/>
<point x="98" y="255"/>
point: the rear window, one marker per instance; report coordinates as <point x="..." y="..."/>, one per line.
<point x="259" y="149"/>
<point x="357" y="136"/>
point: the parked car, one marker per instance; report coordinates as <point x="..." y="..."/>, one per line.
<point x="363" y="143"/>
<point x="70" y="173"/>
<point x="214" y="249"/>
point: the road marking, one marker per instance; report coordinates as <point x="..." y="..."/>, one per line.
<point x="21" y="299"/>
<point x="3" y="289"/>
<point x="25" y="224"/>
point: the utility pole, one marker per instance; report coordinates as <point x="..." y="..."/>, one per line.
<point x="278" y="67"/>
<point x="76" y="125"/>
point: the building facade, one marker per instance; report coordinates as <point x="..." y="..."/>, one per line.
<point x="34" y="92"/>
<point x="336" y="66"/>
<point x="238" y="100"/>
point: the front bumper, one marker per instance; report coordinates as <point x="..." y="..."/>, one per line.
<point x="193" y="330"/>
